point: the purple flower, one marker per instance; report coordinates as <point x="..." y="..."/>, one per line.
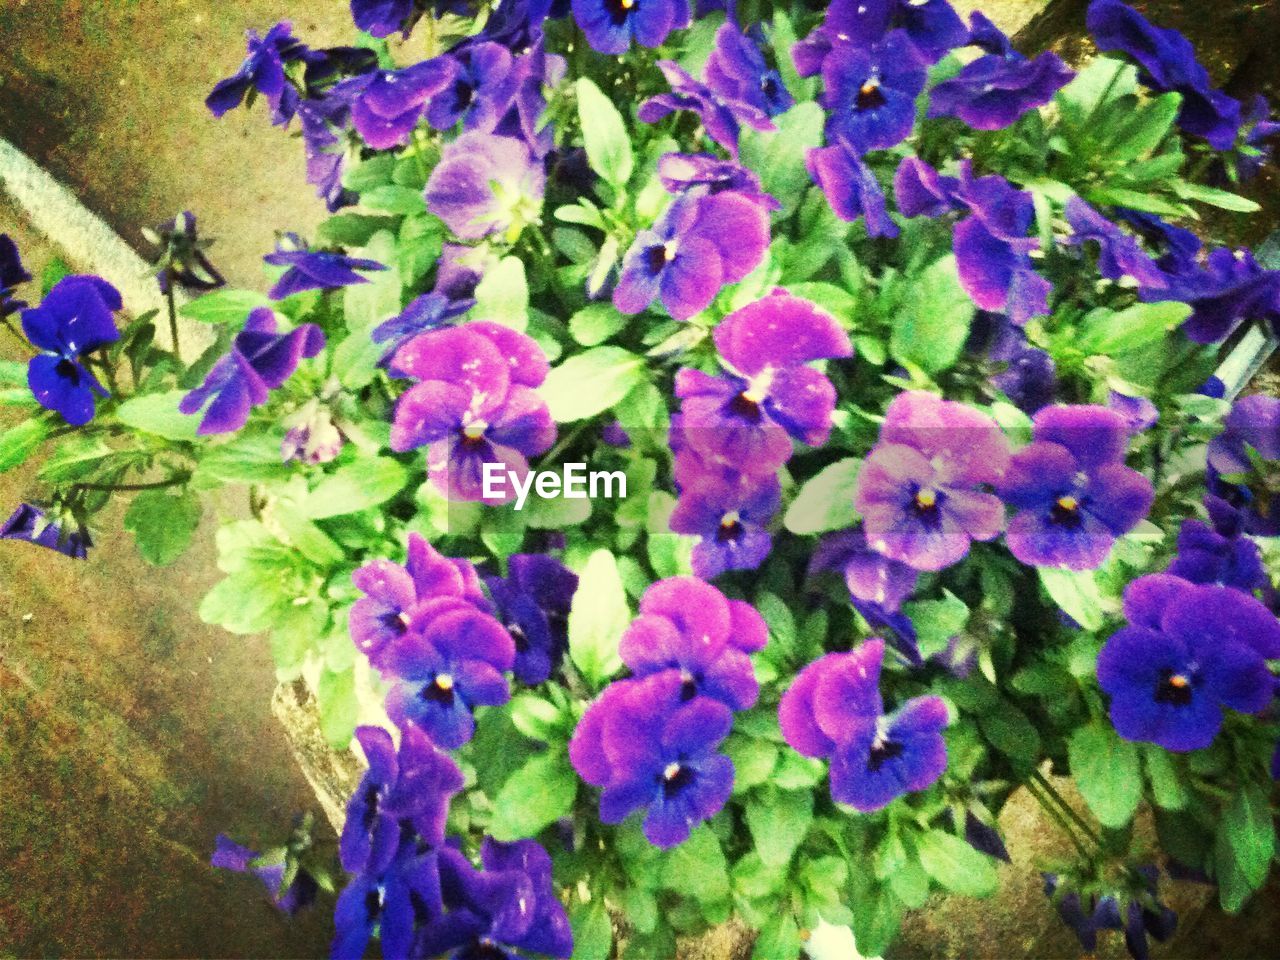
<point x="381" y="18"/>
<point x="1119" y="254"/>
<point x="993" y="91"/>
<point x="403" y="795"/>
<point x="722" y="118"/>
<point x="870" y="576"/>
<point x="486" y="184"/>
<point x="505" y="912"/>
<point x="390" y="900"/>
<point x="1072" y="491"/>
<point x="475" y="403"/>
<point x="12" y="273"/>
<point x="31" y="525"/>
<point x="260" y="361"/>
<point x="653" y="750"/>
<point x="270" y="869"/>
<point x="325" y="122"/>
<point x="533" y="603"/>
<point x="701" y="174"/>
<point x="871" y="93"/>
<point x="610" y="25"/>
<point x="1139" y="413"/>
<point x="263" y="70"/>
<point x="688" y="630"/>
<point x="314" y="269"/>
<point x="427" y="312"/>
<point x="386" y="105"/>
<point x="75" y="318"/>
<point x="1218" y="554"/>
<point x="478" y="91"/>
<point x="1228" y="289"/>
<point x="738" y="72"/>
<point x="987" y="37"/>
<point x="701" y="244"/>
<point x="460" y="269"/>
<point x="533" y="73"/>
<point x="1189" y="651"/>
<point x="1028" y="377"/>
<point x="398" y="599"/>
<point x="919" y="490"/>
<point x="932" y="28"/>
<point x="1168" y="62"/>
<point x="1260" y="141"/>
<point x="311" y="436"/>
<point x="441" y="671"/>
<point x="181" y="255"/>
<point x="1254" y="421"/>
<point x="833" y="709"/>
<point x="1177" y="247"/>
<point x="731" y="521"/>
<point x="769" y="395"/>
<point x="921" y="191"/>
<point x="850" y="186"/>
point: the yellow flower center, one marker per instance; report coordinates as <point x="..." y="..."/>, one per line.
<point x="927" y="499"/>
<point x="1068" y="503"/>
<point x="671" y="772"/>
<point x="445" y="681"/>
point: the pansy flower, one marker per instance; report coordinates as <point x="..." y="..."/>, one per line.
<point x="534" y="73"/>
<point x="475" y="403"/>
<point x="260" y="361"/>
<point x="1139" y="413"/>
<point x="1168" y="62"/>
<point x="834" y="710"/>
<point x="1025" y="374"/>
<point x="701" y="244"/>
<point x="426" y="312"/>
<point x="314" y="269"/>
<point x="397" y="597"/>
<point x="310" y="435"/>
<point x="932" y="28"/>
<point x="702" y="173"/>
<point x="1071" y="490"/>
<point x="610" y="25"/>
<point x="301" y="893"/>
<point x="1259" y="142"/>
<point x="869" y="575"/>
<point x="532" y="601"/>
<point x="74" y="319"/>
<point x="180" y="256"/>
<point x="32" y="525"/>
<point x="12" y="273"/>
<point x="731" y="520"/>
<point x="1253" y="423"/>
<point x="722" y="118"/>
<point x="486" y="184"/>
<point x="1119" y="254"/>
<point x="850" y="186"/>
<point x="921" y="191"/>
<point x="687" y="629"/>
<point x="1229" y="288"/>
<point x="394" y="901"/>
<point x="769" y="394"/>
<point x="478" y="90"/>
<point x="1218" y="553"/>
<point x="651" y="749"/>
<point x="1188" y="651"/>
<point x="871" y="92"/>
<point x="381" y="18"/>
<point x="325" y="121"/>
<point x="738" y="72"/>
<point x="920" y="490"/>
<point x="443" y="669"/>
<point x="386" y="105"/>
<point x="404" y="792"/>
<point x="263" y="70"/>
<point x="992" y="92"/>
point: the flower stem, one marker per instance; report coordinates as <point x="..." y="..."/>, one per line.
<point x="8" y="325"/>
<point x="173" y="316"/>
<point x="175" y="480"/>
<point x="1052" y="792"/>
<point x="1056" y="816"/>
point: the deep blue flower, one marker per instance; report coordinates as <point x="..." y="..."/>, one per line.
<point x="722" y="118"/>
<point x="533" y="603"/>
<point x="610" y="25"/>
<point x="1119" y="254"/>
<point x="932" y="27"/>
<point x="12" y="273"/>
<point x="260" y="360"/>
<point x="1176" y="247"/>
<point x="301" y="893"/>
<point x="1026" y="375"/>
<point x="921" y="191"/>
<point x="381" y="18"/>
<point x="1229" y="288"/>
<point x="652" y="749"/>
<point x="31" y="525"/>
<point x="314" y="269"/>
<point x="871" y="93"/>
<point x="1260" y="141"/>
<point x="1218" y="554"/>
<point x="396" y="900"/>
<point x="1072" y="491"/>
<point x="75" y="318"/>
<point x="702" y="173"/>
<point x="738" y="72"/>
<point x="1188" y="651"/>
<point x="731" y="520"/>
<point x="1168" y="62"/>
<point x="386" y="105"/>
<point x="987" y="37"/>
<point x="1254" y="422"/>
<point x="263" y="70"/>
<point x="534" y="73"/>
<point x="834" y="710"/>
<point x="423" y="313"/>
<point x="851" y="187"/>
<point x="993" y="91"/>
<point x="325" y="122"/>
<point x="479" y="89"/>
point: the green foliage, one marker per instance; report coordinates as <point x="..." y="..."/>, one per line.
<point x="825" y="502"/>
<point x="604" y="134"/>
<point x="535" y="796"/>
<point x="599" y="615"/>
<point x="1106" y="770"/>
<point x="590" y="383"/>
<point x="163" y="524"/>
<point x="933" y="320"/>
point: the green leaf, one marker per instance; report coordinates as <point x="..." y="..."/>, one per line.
<point x="390" y="198"/>
<point x="779" y="820"/>
<point x="779" y="939"/>
<point x="308" y="539"/>
<point x="604" y="134"/>
<point x="536" y="718"/>
<point x="591" y="382"/>
<point x="351" y="229"/>
<point x="697" y="868"/>
<point x="955" y="865"/>
<point x="597" y="618"/>
<point x="158" y="413"/>
<point x="1136" y="200"/>
<point x="502" y="296"/>
<point x="77" y="457"/>
<point x="937" y="621"/>
<point x="1251" y="831"/>
<point x="249" y="458"/>
<point x="1104" y="332"/>
<point x="1147" y="129"/>
<point x="1076" y="592"/>
<point x="535" y="796"/>
<point x="163" y="524"/>
<point x="1106" y="770"/>
<point x="357" y="486"/>
<point x="753" y="760"/>
<point x="932" y="322"/>
<point x="825" y="502"/>
<point x="1010" y="732"/>
<point x="338" y="706"/>
<point x="779" y="157"/>
<point x="1215" y="197"/>
<point x="1167" y="788"/>
<point x="13" y="374"/>
<point x="592" y="931"/>
<point x="20" y="441"/>
<point x="595" y="323"/>
<point x="223" y="306"/>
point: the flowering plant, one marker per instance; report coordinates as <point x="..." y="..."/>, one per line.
<point x="935" y="485"/>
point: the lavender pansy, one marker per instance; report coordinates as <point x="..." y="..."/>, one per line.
<point x="533" y="603"/>
<point x="722" y="118"/>
<point x="1260" y="141"/>
<point x="325" y="121"/>
<point x="263" y="71"/>
<point x="871" y="92"/>
<point x="1071" y="490"/>
<point x="1139" y="413"/>
<point x="314" y="269"/>
<point x="1119" y="254"/>
<point x="75" y="318"/>
<point x="260" y="361"/>
<point x="920" y="491"/>
<point x="486" y="184"/>
<point x="426" y="312"/>
<point x="993" y="91"/>
<point x="62" y="535"/>
<point x="381" y="18"/>
<point x="731" y="521"/>
<point x="931" y="27"/>
<point x="1025" y="374"/>
<point x="534" y="73"/>
<point x="611" y="25"/>
<point x="851" y="187"/>
<point x="738" y="72"/>
<point x="921" y="191"/>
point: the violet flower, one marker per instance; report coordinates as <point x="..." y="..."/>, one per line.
<point x="486" y="184"/>
<point x="533" y="603"/>
<point x="1260" y="140"/>
<point x="722" y="118"/>
<point x="932" y="27"/>
<point x="260" y="361"/>
<point x="738" y="72"/>
<point x="992" y="92"/>
<point x="920" y="489"/>
<point x="386" y="105"/>
<point x="534" y="72"/>
<point x="426" y="312"/>
<point x="700" y="174"/>
<point x="181" y="257"/>
<point x="701" y="244"/>
<point x="74" y="319"/>
<point x="475" y="403"/>
<point x="688" y="630"/>
<point x="653" y="750"/>
<point x="479" y="89"/>
<point x="1188" y="652"/>
<point x="610" y="25"/>
<point x="301" y="893"/>
<point x="263" y="70"/>
<point x="1254" y="422"/>
<point x="381" y="18"/>
<point x="311" y="436"/>
<point x="731" y="521"/>
<point x="32" y="525"/>
<point x="871" y="93"/>
<point x="1228" y="289"/>
<point x="325" y="122"/>
<point x="851" y="187"/>
<point x="314" y="269"/>
<point x="869" y="575"/>
<point x="1073" y="494"/>
<point x="1139" y="413"/>
<point x="1119" y="254"/>
<point x="12" y="273"/>
<point x="1218" y="553"/>
<point x="1027" y="376"/>
<point x="834" y="710"/>
<point x="389" y="900"/>
<point x="768" y="394"/>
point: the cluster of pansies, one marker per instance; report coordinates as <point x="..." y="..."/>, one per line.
<point x="895" y="335"/>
